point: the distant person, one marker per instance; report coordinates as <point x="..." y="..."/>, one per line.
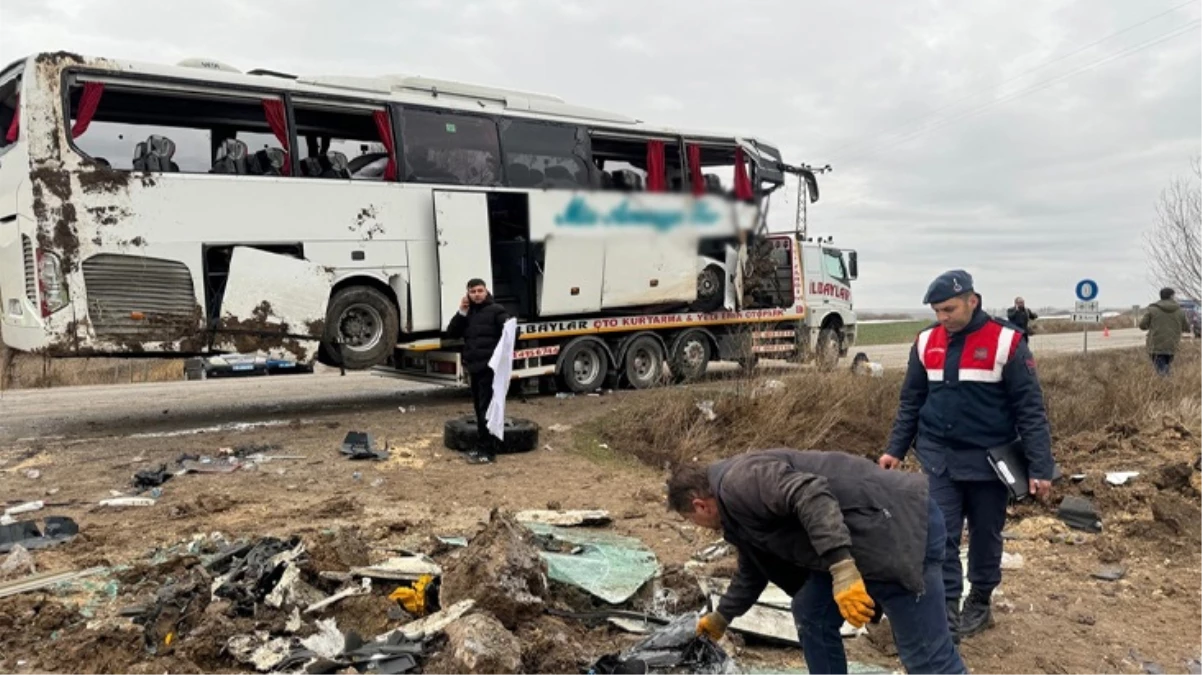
<point x="480" y="322"/>
<point x="970" y="387"/>
<point x="1021" y="316"/>
<point x="1165" y="321"/>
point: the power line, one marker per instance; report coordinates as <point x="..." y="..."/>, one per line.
<point x="1030" y="90"/>
<point x="1021" y="75"/>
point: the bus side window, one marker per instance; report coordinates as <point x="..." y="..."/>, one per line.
<point x="546" y="155"/>
<point x="10" y="130"/>
<point x="138" y="128"/>
<point x="623" y="163"/>
<point x="345" y="142"/>
<point x="450" y="148"/>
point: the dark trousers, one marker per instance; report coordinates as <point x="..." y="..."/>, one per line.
<point x="919" y="622"/>
<point x="1162" y="362"/>
<point x="481" y="384"/>
<point x="982" y="503"/>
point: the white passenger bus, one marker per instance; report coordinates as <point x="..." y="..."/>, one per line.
<point x="152" y="210"/>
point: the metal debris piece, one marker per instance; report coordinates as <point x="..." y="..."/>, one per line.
<point x="565" y="518"/>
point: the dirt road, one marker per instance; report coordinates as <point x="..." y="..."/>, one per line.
<point x="894" y="356"/>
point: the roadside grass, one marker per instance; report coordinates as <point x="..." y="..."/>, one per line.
<point x="842" y="411"/>
<point x="30" y="371"/>
<point x="901" y="332"/>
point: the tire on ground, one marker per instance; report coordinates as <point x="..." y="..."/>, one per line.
<point x="827" y="351"/>
<point x="368" y="297"/>
<point x="521" y="435"/>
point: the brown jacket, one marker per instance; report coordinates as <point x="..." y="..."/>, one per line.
<point x="792" y="512"/>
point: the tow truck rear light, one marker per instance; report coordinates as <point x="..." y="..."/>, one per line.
<point x="52" y="283"/>
<point x="443" y="367"/>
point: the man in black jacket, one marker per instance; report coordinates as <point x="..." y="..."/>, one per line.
<point x="480" y="323"/>
<point x="838" y="534"/>
<point x="1021" y="316"/>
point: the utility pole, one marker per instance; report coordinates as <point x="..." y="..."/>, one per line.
<point x="803" y="199"/>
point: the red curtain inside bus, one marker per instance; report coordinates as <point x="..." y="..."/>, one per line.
<point x="88" y="102"/>
<point x="385" y="128"/>
<point x="657" y="177"/>
<point x="14" y="127"/>
<point x="742" y="181"/>
<point x="278" y="121"/>
<point x="695" y="177"/>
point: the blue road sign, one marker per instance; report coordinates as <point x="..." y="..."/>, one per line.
<point x="1087" y="289"/>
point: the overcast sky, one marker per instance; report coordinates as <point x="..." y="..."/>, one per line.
<point x="1054" y="182"/>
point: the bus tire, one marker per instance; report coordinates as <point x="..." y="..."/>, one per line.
<point x="711" y="289"/>
<point x="827" y="351"/>
<point x="644" y="362"/>
<point x="460" y="433"/>
<point x="373" y="322"/>
<point x="691" y="354"/>
<point x="583" y="366"/>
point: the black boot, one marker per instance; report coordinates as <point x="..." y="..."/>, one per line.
<point x="978" y="615"/>
<point x="953" y="619"/>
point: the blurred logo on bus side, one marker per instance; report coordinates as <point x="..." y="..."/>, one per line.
<point x="579" y="214"/>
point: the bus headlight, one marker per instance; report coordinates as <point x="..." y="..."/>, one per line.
<point x="52" y="283"/>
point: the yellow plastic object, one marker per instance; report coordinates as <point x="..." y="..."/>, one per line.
<point x="413" y="598"/>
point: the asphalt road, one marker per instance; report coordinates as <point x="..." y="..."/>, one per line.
<point x="175" y="407"/>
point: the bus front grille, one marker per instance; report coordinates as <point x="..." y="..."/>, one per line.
<point x="136" y="298"/>
<point x="31" y="270"/>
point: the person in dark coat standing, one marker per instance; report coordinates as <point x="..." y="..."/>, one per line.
<point x="1165" y="321"/>
<point x="970" y="387"/>
<point x="480" y="323"/>
<point x="1021" y="316"/>
<point x="839" y="535"/>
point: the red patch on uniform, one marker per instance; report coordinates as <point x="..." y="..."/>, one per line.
<point x="1031" y="366"/>
<point x="980" y="353"/>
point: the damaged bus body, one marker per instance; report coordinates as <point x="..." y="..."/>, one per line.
<point x="151" y="210"/>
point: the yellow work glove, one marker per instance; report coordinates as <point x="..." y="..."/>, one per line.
<point x="712" y="625"/>
<point x="850" y="594"/>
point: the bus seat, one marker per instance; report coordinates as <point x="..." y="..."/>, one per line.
<point x="713" y="184"/>
<point x="339" y="166"/>
<point x="311" y="167"/>
<point x="627" y="180"/>
<point x="266" y="162"/>
<point x="155" y="155"/>
<point x="231" y="157"/>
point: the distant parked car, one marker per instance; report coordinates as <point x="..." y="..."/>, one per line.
<point x="1194" y="314"/>
<point x="238" y="365"/>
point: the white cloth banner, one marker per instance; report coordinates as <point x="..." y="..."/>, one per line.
<point x="502" y="368"/>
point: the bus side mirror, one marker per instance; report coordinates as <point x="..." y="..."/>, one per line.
<point x="852" y="266"/>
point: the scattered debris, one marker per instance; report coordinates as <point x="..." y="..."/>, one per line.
<point x="715" y="551"/>
<point x="565" y="518"/>
<point x="56" y="530"/>
<point x="406" y="568"/>
<point x="478" y="643"/>
<point x="18" y="563"/>
<point x="150" y="478"/>
<point x="1079" y="513"/>
<point x="44" y="580"/>
<point x="362" y="589"/>
<point x="33" y="474"/>
<point x="431" y="625"/>
<point x="1110" y="573"/>
<point x="27" y="507"/>
<point x="501" y="570"/>
<point x="128" y="501"/>
<point x="457" y="542"/>
<point x="707" y="409"/>
<point x="1120" y="477"/>
<point x="560" y="428"/>
<point x="608" y="566"/>
<point x="420" y="598"/>
<point x="675" y="646"/>
<point x="361" y="445"/>
<point x="1012" y="561"/>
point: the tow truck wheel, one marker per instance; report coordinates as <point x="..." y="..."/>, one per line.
<point x="583" y="366"/>
<point x="366" y="322"/>
<point x="690" y="356"/>
<point x="828" y="349"/>
<point x="644" y="362"/>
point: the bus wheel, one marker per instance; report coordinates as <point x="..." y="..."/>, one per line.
<point x="690" y="356"/>
<point x="366" y="322"/>
<point x="828" y="349"/>
<point x="711" y="289"/>
<point x="583" y="366"/>
<point x="644" y="362"/>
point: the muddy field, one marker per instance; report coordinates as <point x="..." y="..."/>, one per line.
<point x="1052" y="614"/>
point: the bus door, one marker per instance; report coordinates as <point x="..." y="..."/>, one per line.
<point x="464" y="249"/>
